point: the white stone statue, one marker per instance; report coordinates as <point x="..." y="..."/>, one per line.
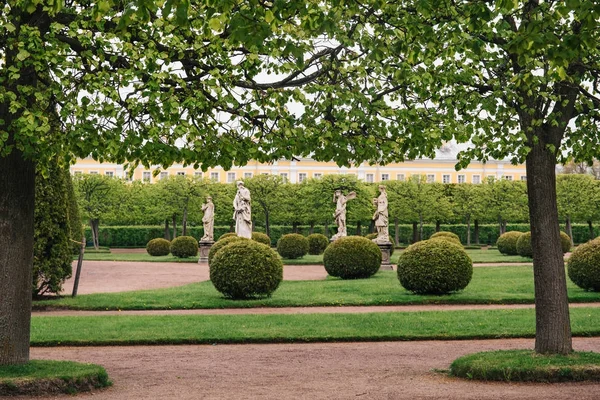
<point x="381" y="217"/>
<point x="208" y="220"/>
<point x="340" y="212"/>
<point x="242" y="213"/>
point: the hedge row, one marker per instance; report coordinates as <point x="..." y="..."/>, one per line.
<point x="139" y="236"/>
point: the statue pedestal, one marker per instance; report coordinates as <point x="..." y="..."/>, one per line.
<point x="386" y="250"/>
<point x="203" y="249"/>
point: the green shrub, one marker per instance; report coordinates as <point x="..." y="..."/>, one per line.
<point x="507" y="243"/>
<point x="371" y="236"/>
<point x="246" y="269"/>
<point x="583" y="266"/>
<point x="219" y="244"/>
<point x="446" y="236"/>
<point x="434" y="267"/>
<point x="184" y="247"/>
<point x="565" y="242"/>
<point x="261" y="238"/>
<point x="158" y="247"/>
<point x="226" y="235"/>
<point x="292" y="245"/>
<point x="524" y="245"/>
<point x="352" y="257"/>
<point x="317" y="243"/>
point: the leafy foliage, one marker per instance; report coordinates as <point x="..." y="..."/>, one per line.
<point x="352" y="257"/>
<point x="246" y="269"/>
<point x="434" y="267"/>
<point x="584" y="266"/>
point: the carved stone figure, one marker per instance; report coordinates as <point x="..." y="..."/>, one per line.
<point x="208" y="220"/>
<point x="242" y="213"/>
<point x="381" y="216"/>
<point x="340" y="212"/>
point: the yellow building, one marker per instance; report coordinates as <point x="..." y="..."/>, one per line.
<point x="440" y="169"/>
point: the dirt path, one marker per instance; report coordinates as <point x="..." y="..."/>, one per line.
<point x="383" y="370"/>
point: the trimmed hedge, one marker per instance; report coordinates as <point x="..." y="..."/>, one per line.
<point x="246" y="269"/>
<point x="352" y="257"/>
<point x="524" y="245"/>
<point x="583" y="266"/>
<point x="446" y="235"/>
<point x="158" y="247"/>
<point x="292" y="246"/>
<point x="138" y="236"/>
<point x="261" y="238"/>
<point x="184" y="247"/>
<point x="434" y="267"/>
<point x="507" y="243"/>
<point x="226" y="235"/>
<point x="565" y="242"/>
<point x="317" y="243"/>
<point x="222" y="242"/>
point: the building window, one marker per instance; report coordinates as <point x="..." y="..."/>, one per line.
<point x="476" y="179"/>
<point x="214" y="176"/>
<point x="430" y="178"/>
<point x="164" y="175"/>
<point x="146" y="176"/>
<point x="317" y="175"/>
<point x="301" y="177"/>
<point x="264" y="173"/>
<point x="370" y="178"/>
<point x="247" y="175"/>
<point x="400" y="177"/>
<point x="109" y="173"/>
<point x="180" y="173"/>
<point x="284" y="176"/>
<point x="462" y="179"/>
<point x="508" y="177"/>
<point x="78" y="172"/>
<point x="523" y="177"/>
<point x="230" y="177"/>
<point x="445" y="178"/>
<point x="93" y="172"/>
<point x="385" y="177"/>
<point x="198" y="174"/>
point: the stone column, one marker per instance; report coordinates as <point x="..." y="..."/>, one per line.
<point x="386" y="250"/>
<point x="203" y="249"/>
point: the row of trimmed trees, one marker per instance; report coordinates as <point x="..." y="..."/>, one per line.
<point x="176" y="202"/>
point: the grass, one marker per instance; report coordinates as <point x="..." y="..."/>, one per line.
<point x="490" y="285"/>
<point x="43" y="377"/>
<point x="276" y="328"/>
<point x="528" y="366"/>
<point x="478" y="256"/>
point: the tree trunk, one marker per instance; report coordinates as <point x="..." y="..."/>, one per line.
<point x="468" y="231"/>
<point x="174" y="226"/>
<point x="415" y="230"/>
<point x="569" y="229"/>
<point x="420" y="227"/>
<point x="94" y="223"/>
<point x="17" y="183"/>
<point x="591" y="229"/>
<point x="294" y="227"/>
<point x="358" y="228"/>
<point x="438" y="226"/>
<point x="501" y="226"/>
<point x="311" y="230"/>
<point x="476" y="231"/>
<point x="553" y="326"/>
<point x="327" y="230"/>
<point x="167" y="233"/>
<point x="372" y="226"/>
<point x="184" y="222"/>
<point x="396" y="232"/>
<point x="267" y="224"/>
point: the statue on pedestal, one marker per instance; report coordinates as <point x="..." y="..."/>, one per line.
<point x="340" y="212"/>
<point x="381" y="217"/>
<point x="208" y="220"/>
<point x="242" y="213"/>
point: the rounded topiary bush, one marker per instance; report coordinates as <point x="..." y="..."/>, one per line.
<point x="219" y="244"/>
<point x="434" y="267"/>
<point x="292" y="245"/>
<point x="261" y="238"/>
<point x="226" y="235"/>
<point x="507" y="243"/>
<point x="352" y="257"/>
<point x="565" y="242"/>
<point x="583" y="266"/>
<point x="158" y="247"/>
<point x="246" y="269"/>
<point x="524" y="248"/>
<point x="184" y="247"/>
<point x="446" y="236"/>
<point x="317" y="243"/>
<point x="371" y="236"/>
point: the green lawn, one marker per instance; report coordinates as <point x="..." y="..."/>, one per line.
<point x="478" y="256"/>
<point x="273" y="328"/>
<point x="490" y="285"/>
